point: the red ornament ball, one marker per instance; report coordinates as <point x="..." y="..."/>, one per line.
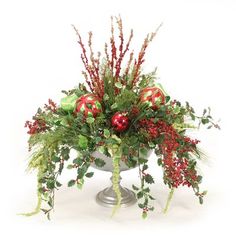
<point x="120" y="121"/>
<point x="89" y="105"/>
<point x="153" y="96"/>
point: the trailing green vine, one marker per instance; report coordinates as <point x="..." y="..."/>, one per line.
<point x="39" y="197"/>
<point x="170" y="196"/>
<point x="143" y="192"/>
<point x="116" y="176"/>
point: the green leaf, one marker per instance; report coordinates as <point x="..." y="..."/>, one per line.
<point x="200" y="200"/>
<point x="133" y="140"/>
<point x="140" y="205"/>
<point x="43" y="180"/>
<point x="142" y="160"/>
<point x="81" y="172"/>
<point x="199" y="178"/>
<point x="151" y="144"/>
<point x="148" y="179"/>
<point x="106" y="133"/>
<point x="58" y="184"/>
<point x="167" y="99"/>
<point x="45" y="211"/>
<point x="78" y="161"/>
<point x="176" y="110"/>
<point x="105" y="97"/>
<point x="125" y="150"/>
<point x="151" y="208"/>
<point x="151" y="197"/>
<point x="48" y="216"/>
<point x="114" y="106"/>
<point x="143" y="151"/>
<point x="69" y="167"/>
<point x="159" y="161"/>
<point x="145" y="167"/>
<point x="56" y="159"/>
<point x="83" y="142"/>
<point x="205" y="121"/>
<point x="139" y="194"/>
<point x="51" y="184"/>
<point x="89" y="174"/>
<point x="118" y="85"/>
<point x="135" y="188"/>
<point x="97" y="139"/>
<point x="101" y="149"/>
<point x="90" y="120"/>
<point x="65" y="153"/>
<point x="61" y="166"/>
<point x="71" y="183"/>
<point x="192" y="116"/>
<point x="99" y="162"/>
<point x="50" y="201"/>
<point x="146" y="190"/>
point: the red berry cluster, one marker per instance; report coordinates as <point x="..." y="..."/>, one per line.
<point x="189" y="145"/>
<point x="177" y="169"/>
<point x="51" y="106"/>
<point x="36" y="126"/>
<point x="134" y="111"/>
<point x="150" y="127"/>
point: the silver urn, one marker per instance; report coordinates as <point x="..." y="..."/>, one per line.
<point x="107" y="197"/>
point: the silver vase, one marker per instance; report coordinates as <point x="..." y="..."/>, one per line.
<point x="107" y="197"/>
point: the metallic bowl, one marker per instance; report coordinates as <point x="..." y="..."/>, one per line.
<point x="107" y="197"/>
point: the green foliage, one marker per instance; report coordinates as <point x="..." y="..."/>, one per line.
<point x="65" y="131"/>
<point x="89" y="175"/>
<point x="125" y="100"/>
<point x="71" y="183"/>
<point x="83" y="142"/>
<point x="147" y="79"/>
<point x="109" y="89"/>
<point x="148" y="179"/>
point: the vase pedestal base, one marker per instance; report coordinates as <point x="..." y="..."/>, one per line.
<point x="107" y="197"/>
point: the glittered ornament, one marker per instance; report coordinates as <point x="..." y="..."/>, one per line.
<point x="153" y="96"/>
<point x="88" y="105"/>
<point x="120" y="121"/>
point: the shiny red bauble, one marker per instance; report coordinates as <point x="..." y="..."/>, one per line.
<point x="120" y="121"/>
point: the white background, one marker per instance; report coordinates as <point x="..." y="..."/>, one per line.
<point x="195" y="53"/>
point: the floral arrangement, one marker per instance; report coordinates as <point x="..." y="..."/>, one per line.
<point x="123" y="113"/>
